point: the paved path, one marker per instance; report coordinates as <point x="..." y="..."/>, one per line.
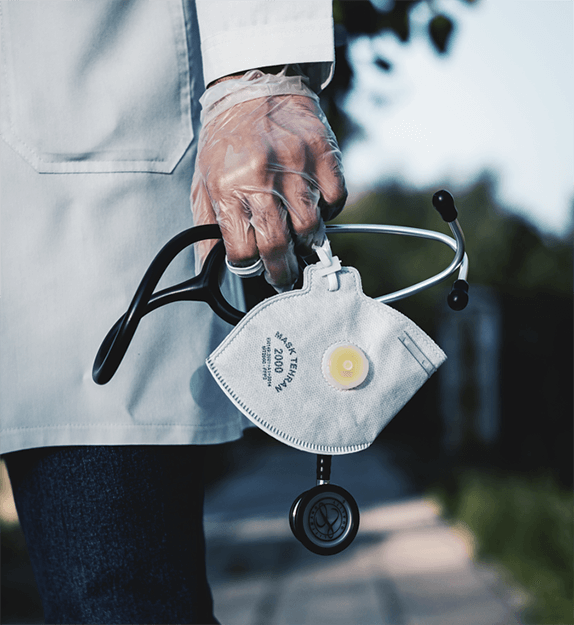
<point x="406" y="566"/>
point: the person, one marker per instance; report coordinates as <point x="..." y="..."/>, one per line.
<point x="102" y="147"/>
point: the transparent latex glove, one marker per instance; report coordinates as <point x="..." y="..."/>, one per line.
<point x="268" y="171"/>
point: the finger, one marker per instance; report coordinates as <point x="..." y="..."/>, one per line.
<point x="301" y="199"/>
<point x="274" y="242"/>
<point x="233" y="216"/>
<point x="330" y="180"/>
<point x="203" y="213"/>
<point x="324" y="159"/>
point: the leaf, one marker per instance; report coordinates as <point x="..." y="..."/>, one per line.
<point x="383" y="64"/>
<point x="440" y="31"/>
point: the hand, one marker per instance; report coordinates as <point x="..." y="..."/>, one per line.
<point x="268" y="171"/>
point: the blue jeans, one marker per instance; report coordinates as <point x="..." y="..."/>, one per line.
<point x="115" y="534"/>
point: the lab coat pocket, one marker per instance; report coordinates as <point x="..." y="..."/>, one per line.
<point x="95" y="86"/>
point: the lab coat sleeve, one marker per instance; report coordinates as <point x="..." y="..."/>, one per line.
<point x="238" y="35"/>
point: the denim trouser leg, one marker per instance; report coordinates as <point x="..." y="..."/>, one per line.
<point x="115" y="534"/>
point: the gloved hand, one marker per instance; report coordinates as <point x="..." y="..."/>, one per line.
<point x="268" y="171"/>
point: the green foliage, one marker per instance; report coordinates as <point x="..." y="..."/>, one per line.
<point x="361" y="18"/>
<point x="440" y="29"/>
<point x="527" y="526"/>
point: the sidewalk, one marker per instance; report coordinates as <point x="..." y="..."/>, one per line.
<point x="406" y="566"/>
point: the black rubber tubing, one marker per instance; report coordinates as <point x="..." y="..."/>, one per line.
<point x="203" y="287"/>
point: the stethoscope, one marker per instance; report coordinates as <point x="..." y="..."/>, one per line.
<point x="325" y="519"/>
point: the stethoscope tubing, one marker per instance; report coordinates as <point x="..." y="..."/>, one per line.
<point x="203" y="287"/>
<point x="206" y="285"/>
<point x="460" y="260"/>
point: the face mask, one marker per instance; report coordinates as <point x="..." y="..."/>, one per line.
<point x="325" y="368"/>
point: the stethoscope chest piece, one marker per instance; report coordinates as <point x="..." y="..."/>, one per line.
<point x="325" y="519"/>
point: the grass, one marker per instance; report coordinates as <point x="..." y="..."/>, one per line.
<point x="525" y="525"/>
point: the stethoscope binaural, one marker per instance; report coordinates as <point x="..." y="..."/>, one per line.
<point x="325" y="518"/>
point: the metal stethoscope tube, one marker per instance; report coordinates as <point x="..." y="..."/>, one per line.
<point x="460" y="260"/>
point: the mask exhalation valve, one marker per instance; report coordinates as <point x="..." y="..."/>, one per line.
<point x="344" y="366"/>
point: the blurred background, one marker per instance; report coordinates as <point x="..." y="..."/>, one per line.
<point x="476" y="97"/>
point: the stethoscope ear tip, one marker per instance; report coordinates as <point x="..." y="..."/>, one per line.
<point x="444" y="203"/>
<point x="458" y="297"/>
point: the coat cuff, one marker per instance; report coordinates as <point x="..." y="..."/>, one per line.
<point x="275" y="36"/>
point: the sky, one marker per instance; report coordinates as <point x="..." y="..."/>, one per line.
<point x="502" y="100"/>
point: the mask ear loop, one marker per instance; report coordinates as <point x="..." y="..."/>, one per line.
<point x="330" y="264"/>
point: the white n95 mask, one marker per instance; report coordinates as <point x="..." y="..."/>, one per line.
<point x="325" y="368"/>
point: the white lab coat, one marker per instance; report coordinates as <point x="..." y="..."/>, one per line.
<point x="99" y="114"/>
